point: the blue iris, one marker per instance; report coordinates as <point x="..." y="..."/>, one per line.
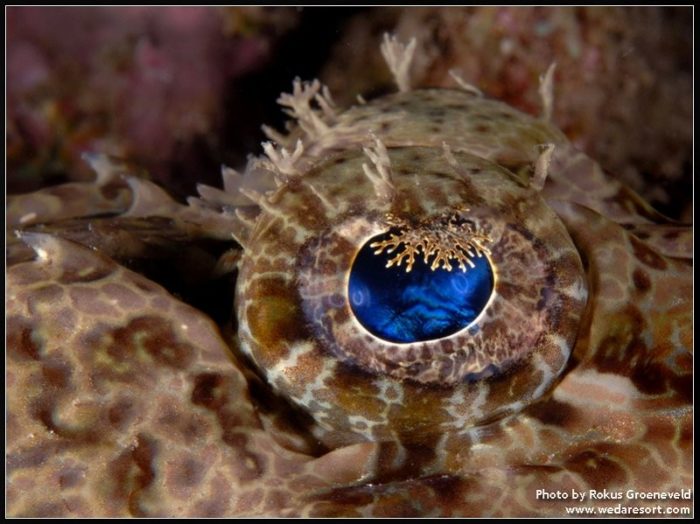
<point x="419" y="305"/>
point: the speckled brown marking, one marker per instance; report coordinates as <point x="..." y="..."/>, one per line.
<point x="599" y="471"/>
<point x="641" y="280"/>
<point x="553" y="413"/>
<point x="132" y="473"/>
<point x="21" y="340"/>
<point x="646" y="255"/>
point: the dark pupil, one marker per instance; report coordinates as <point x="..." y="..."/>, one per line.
<point x="419" y="305"/>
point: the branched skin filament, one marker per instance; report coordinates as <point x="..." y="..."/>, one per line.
<point x="449" y="237"/>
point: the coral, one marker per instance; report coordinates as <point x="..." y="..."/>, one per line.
<point x="145" y="83"/>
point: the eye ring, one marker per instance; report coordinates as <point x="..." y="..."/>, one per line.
<point x="296" y="323"/>
<point x="475" y="352"/>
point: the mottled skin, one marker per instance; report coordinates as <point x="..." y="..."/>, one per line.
<point x="298" y="263"/>
<point x="122" y="400"/>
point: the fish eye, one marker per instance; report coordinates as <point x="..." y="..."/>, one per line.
<point x="428" y="300"/>
<point x="434" y="304"/>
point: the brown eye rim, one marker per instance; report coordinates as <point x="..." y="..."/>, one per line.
<point x="472" y="352"/>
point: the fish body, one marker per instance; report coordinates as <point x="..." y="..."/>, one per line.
<point x="573" y="378"/>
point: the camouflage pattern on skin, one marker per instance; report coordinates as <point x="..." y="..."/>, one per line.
<point x="122" y="400"/>
<point x="298" y="263"/>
